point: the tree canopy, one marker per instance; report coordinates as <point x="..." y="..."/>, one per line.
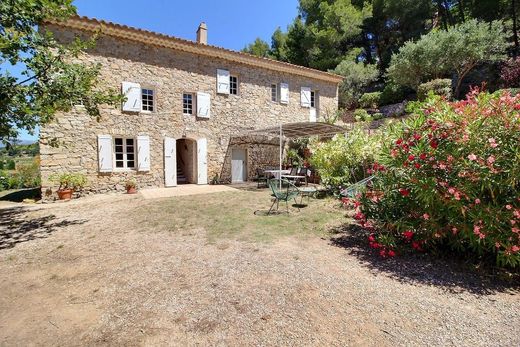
<point x="443" y="53"/>
<point x="50" y="80"/>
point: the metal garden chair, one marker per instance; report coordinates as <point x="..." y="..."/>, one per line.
<point x="352" y="190"/>
<point x="283" y="190"/>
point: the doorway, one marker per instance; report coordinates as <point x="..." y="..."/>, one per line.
<point x="238" y="165"/>
<point x="186" y="161"/>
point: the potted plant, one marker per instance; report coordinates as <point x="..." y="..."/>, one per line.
<point x="131" y="186"/>
<point x="69" y="183"/>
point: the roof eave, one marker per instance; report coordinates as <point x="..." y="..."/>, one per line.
<point x="161" y="40"/>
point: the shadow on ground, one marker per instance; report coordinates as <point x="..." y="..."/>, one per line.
<point x="20" y="195"/>
<point x="452" y="275"/>
<point x="16" y="228"/>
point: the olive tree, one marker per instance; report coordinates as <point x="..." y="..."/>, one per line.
<point x="444" y="53"/>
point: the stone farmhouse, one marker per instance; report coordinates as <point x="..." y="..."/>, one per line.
<point x="187" y="104"/>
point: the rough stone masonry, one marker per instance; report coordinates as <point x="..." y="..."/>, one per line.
<point x="170" y="73"/>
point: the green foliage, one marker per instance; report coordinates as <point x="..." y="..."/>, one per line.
<point x="52" y="82"/>
<point x="25" y="176"/>
<point x="293" y="157"/>
<point x="378" y="116"/>
<point x="451" y="179"/>
<point x="370" y="100"/>
<point x="361" y="115"/>
<point x="75" y="181"/>
<point x="441" y="87"/>
<point x="392" y="94"/>
<point x="11" y="165"/>
<point x="259" y="48"/>
<point x="442" y="53"/>
<point x="357" y="77"/>
<point x="279" y="48"/>
<point x="345" y="159"/>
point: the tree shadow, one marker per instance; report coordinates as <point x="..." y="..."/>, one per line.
<point x="20" y="195"/>
<point x="16" y="228"/>
<point x="452" y="275"/>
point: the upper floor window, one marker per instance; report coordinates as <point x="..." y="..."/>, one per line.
<point x="274" y="92"/>
<point x="233" y="85"/>
<point x="147" y="100"/>
<point x="124" y="151"/>
<point x="187" y="103"/>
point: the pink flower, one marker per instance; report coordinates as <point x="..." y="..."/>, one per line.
<point x="472" y="157"/>
<point x="515" y="249"/>
<point x="408" y="235"/>
<point x="509" y="206"/>
<point x="492" y="142"/>
<point x="451" y="190"/>
<point x="391" y="253"/>
<point x="491" y="159"/>
<point x="404" y="192"/>
<point x="476" y="229"/>
<point x="426" y="216"/>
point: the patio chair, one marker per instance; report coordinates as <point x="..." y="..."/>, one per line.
<point x="283" y="190"/>
<point x="261" y="178"/>
<point x="304" y="172"/>
<point x="352" y="190"/>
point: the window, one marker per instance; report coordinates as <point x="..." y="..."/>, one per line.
<point x="233" y="85"/>
<point x="124" y="152"/>
<point x="313" y="99"/>
<point x="187" y="103"/>
<point x="274" y="92"/>
<point x="147" y="99"/>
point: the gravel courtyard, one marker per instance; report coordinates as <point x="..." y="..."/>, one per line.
<point x="204" y="270"/>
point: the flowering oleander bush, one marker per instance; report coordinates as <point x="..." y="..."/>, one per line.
<point x="451" y="180"/>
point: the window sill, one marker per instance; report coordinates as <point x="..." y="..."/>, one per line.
<point x="122" y="170"/>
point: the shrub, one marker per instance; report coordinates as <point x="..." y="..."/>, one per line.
<point x="361" y="115"/>
<point x="345" y="159"/>
<point x="75" y="181"/>
<point x="357" y="77"/>
<point x="451" y="180"/>
<point x="370" y="100"/>
<point x="29" y="175"/>
<point x="441" y="87"/>
<point x="11" y="165"/>
<point x="392" y="94"/>
<point x="377" y="116"/>
<point x="1" y="164"/>
<point x="510" y="73"/>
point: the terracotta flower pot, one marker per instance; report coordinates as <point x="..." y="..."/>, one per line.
<point x="131" y="190"/>
<point x="65" y="194"/>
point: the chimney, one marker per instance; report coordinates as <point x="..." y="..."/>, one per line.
<point x="202" y="34"/>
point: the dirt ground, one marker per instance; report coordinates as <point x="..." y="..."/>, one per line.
<point x="205" y="270"/>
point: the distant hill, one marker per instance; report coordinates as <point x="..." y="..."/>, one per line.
<point x="21" y="142"/>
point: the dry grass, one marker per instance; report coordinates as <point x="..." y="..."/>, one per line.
<point x="205" y="270"/>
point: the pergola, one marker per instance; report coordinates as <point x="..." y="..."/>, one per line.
<point x="299" y="130"/>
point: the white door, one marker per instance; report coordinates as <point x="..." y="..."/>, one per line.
<point x="312" y="114"/>
<point x="202" y="161"/>
<point x="238" y="165"/>
<point x="170" y="162"/>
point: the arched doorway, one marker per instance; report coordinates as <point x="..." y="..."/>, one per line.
<point x="186" y="161"/>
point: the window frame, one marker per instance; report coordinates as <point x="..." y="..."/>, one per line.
<point x="274" y="87"/>
<point x="313" y="99"/>
<point x="193" y="108"/>
<point x="231" y="77"/>
<point x="125" y="153"/>
<point x="152" y="101"/>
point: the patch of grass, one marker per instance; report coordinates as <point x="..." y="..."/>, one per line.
<point x="232" y="215"/>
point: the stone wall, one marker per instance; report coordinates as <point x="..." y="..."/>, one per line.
<point x="170" y="73"/>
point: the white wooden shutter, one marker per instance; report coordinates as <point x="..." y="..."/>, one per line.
<point x="170" y="162"/>
<point x="132" y="91"/>
<point x="105" y="153"/>
<point x="305" y="95"/>
<point x="202" y="161"/>
<point x="143" y="153"/>
<point x="203" y="105"/>
<point x="222" y="81"/>
<point x="284" y="93"/>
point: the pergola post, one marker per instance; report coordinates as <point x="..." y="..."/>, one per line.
<point x="280" y="167"/>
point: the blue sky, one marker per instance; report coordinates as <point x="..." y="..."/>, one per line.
<point x="231" y="23"/>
